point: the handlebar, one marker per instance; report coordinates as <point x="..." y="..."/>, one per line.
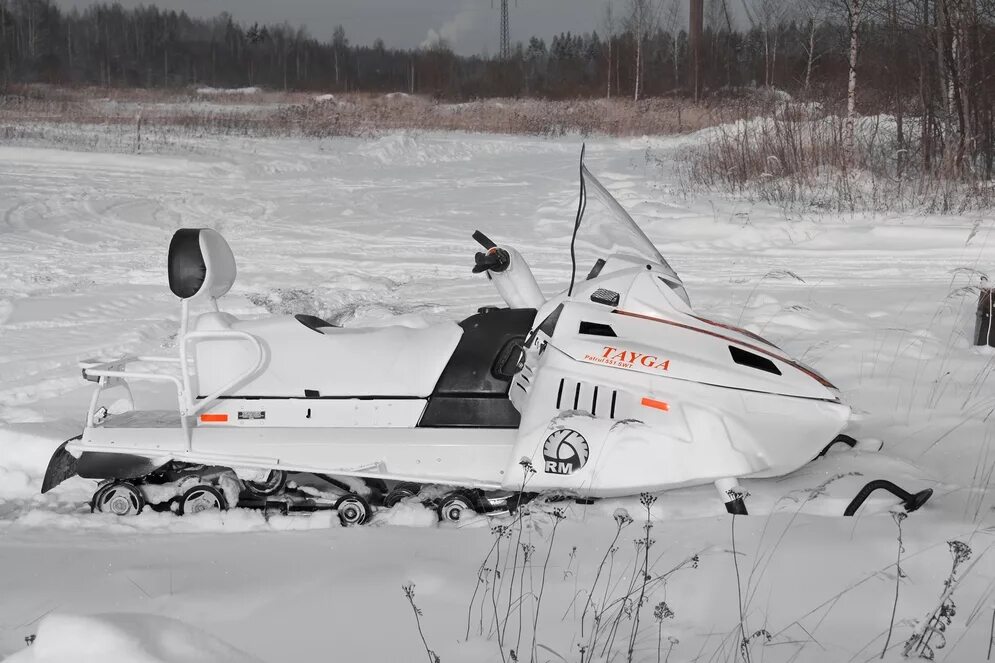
<point x="494" y="259"/>
<point x="483" y="240"/>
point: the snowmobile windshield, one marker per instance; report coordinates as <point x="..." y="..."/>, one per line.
<point x="604" y="229"/>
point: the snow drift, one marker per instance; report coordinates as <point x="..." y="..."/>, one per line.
<point x="134" y="638"/>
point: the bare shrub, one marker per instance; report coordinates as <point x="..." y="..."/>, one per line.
<point x="797" y="156"/>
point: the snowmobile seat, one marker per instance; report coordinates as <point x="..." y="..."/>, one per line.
<point x="335" y="363"/>
<point x="339" y="362"/>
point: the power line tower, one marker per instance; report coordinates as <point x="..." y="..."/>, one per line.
<point x="505" y="33"/>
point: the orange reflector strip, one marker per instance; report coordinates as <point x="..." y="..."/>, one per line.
<point x="659" y="405"/>
<point x="213" y="417"/>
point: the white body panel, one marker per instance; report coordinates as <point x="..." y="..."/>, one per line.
<point x="316" y="412"/>
<point x="436" y="455"/>
<point x="378" y="361"/>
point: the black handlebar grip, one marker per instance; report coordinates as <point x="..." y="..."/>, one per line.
<point x="483" y="240"/>
<point x="495" y="260"/>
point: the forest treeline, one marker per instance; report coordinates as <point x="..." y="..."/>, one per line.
<point x="788" y="45"/>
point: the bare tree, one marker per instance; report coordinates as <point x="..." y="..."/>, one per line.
<point x="339" y="45"/>
<point x="641" y="22"/>
<point x="609" y="24"/>
<point x="671" y="18"/>
<point x="771" y="15"/>
<point x="695" y="29"/>
<point x="954" y="19"/>
<point x="854" y="11"/>
<point x="813" y="13"/>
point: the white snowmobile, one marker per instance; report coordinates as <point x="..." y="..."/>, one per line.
<point x="610" y="388"/>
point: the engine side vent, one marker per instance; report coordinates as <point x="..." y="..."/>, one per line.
<point x="747" y="358"/>
<point x="586" y="397"/>
<point x="596" y="329"/>
<point x="605" y="296"/>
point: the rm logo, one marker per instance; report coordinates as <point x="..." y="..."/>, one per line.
<point x="564" y="452"/>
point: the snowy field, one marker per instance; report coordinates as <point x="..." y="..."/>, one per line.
<point x="359" y="230"/>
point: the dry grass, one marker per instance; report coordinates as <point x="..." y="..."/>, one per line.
<point x="755" y="144"/>
<point x="300" y="114"/>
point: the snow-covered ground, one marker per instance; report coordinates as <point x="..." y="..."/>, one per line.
<point x="357" y="230"/>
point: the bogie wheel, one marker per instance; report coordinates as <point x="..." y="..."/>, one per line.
<point x="353" y="509"/>
<point x="456" y="505"/>
<point x="120" y="498"/>
<point x="202" y="498"/>
<point x="271" y="485"/>
<point x="400" y="492"/>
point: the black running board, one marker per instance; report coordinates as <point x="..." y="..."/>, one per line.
<point x="911" y="501"/>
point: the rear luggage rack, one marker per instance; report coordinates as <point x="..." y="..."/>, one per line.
<point x="113" y="373"/>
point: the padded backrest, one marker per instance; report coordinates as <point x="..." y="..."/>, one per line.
<point x="200" y="264"/>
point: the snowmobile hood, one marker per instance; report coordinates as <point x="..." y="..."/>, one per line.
<point x="732" y="357"/>
<point x="679" y="345"/>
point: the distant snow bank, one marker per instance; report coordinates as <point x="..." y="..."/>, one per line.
<point x="135" y="638"/>
<point x="229" y="90"/>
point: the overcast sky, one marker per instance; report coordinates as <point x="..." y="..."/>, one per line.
<point x="471" y="26"/>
